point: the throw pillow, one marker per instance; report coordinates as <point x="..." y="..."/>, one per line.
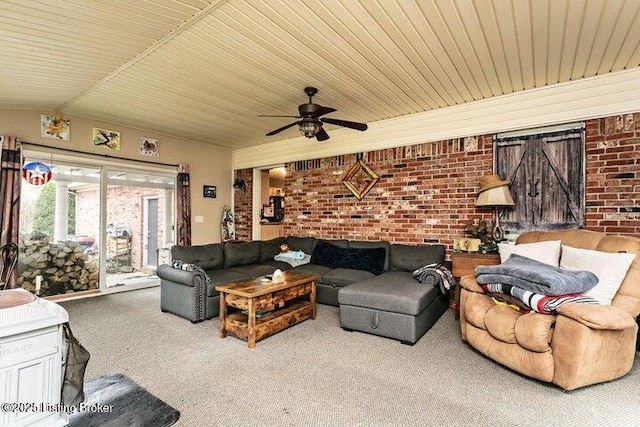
<point x="546" y="252"/>
<point x="610" y="268"/>
<point x="367" y="259"/>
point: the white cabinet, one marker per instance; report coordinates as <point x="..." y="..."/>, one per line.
<point x="31" y="363"/>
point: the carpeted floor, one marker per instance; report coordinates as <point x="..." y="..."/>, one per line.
<point x="316" y="374"/>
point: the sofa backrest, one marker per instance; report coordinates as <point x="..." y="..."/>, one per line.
<point x="241" y="253"/>
<point x="304" y="244"/>
<point x="206" y="256"/>
<point x="364" y="244"/>
<point x="270" y="248"/>
<point x="412" y="257"/>
<point x="628" y="296"/>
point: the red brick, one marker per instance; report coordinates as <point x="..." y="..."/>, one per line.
<point x="443" y="180"/>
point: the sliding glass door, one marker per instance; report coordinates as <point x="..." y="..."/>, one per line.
<point x="139" y="212"/>
<point x="91" y="227"/>
<point x="59" y="228"/>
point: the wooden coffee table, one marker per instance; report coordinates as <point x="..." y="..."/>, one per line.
<point x="266" y="307"/>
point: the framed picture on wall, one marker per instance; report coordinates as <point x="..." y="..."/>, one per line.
<point x="55" y="126"/>
<point x="106" y="138"/>
<point x="149" y="146"/>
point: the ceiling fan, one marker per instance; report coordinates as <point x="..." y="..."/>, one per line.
<point x="311" y="121"/>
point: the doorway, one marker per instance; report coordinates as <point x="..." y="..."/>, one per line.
<point x="137" y="225"/>
<point x="269" y="202"/>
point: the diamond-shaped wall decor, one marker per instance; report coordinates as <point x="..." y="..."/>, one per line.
<point x="360" y="179"/>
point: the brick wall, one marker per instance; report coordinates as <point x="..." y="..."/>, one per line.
<point x="125" y="208"/>
<point x="426" y="192"/>
<point x="242" y="205"/>
<point x="613" y="174"/>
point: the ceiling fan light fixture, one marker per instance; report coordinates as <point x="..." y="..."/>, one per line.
<point x="310" y="124"/>
<point x="309" y="128"/>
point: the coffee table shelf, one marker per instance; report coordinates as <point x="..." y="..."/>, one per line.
<point x="296" y="311"/>
<point x="281" y="303"/>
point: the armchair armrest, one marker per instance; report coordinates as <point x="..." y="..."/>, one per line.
<point x="187" y="278"/>
<point x="469" y="283"/>
<point x="597" y="316"/>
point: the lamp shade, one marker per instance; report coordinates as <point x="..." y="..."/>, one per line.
<point x="497" y="196"/>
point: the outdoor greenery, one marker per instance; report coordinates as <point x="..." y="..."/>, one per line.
<point x="44" y="211"/>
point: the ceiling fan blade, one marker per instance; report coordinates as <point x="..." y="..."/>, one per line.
<point x="325" y="110"/>
<point x="345" y="123"/>
<point x="291" y="117"/>
<point x="322" y="135"/>
<point x="273" y="132"/>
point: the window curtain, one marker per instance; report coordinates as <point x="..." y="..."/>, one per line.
<point x="10" y="194"/>
<point x="183" y="235"/>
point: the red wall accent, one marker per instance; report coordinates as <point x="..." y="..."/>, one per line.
<point x="426" y="192"/>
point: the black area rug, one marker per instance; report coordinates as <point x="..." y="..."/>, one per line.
<point x="115" y="400"/>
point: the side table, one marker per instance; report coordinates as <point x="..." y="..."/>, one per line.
<point x="464" y="264"/>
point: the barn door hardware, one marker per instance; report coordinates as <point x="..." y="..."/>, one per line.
<point x="533" y="188"/>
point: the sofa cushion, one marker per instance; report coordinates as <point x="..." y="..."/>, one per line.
<point x="284" y="266"/>
<point x="270" y="248"/>
<point x="344" y="276"/>
<point x="304" y="244"/>
<point x="206" y="256"/>
<point x="410" y="257"/>
<point x="532" y="331"/>
<point x="316" y="270"/>
<point x="360" y="244"/>
<point x="253" y="270"/>
<point x="241" y="253"/>
<point x="367" y="259"/>
<point x="220" y="277"/>
<point x="393" y="291"/>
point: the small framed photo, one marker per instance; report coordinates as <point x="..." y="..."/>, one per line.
<point x="149" y="146"/>
<point x="106" y="138"/>
<point x="209" y="191"/>
<point x="55" y="127"/>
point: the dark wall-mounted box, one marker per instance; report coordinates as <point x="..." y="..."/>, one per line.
<point x="209" y="191"/>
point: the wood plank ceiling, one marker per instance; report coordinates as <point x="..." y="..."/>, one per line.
<point x="203" y="70"/>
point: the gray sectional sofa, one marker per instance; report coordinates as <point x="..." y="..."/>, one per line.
<point x="371" y="281"/>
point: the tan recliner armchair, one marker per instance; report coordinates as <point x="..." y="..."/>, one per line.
<point x="580" y="345"/>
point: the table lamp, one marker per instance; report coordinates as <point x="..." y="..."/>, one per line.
<point x="494" y="193"/>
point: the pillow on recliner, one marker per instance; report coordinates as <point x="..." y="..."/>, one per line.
<point x="610" y="268"/>
<point x="547" y="252"/>
<point x="367" y="259"/>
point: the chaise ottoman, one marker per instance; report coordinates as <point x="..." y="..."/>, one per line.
<point x="393" y="305"/>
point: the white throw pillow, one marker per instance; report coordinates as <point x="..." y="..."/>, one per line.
<point x="547" y="252"/>
<point x="611" y="268"/>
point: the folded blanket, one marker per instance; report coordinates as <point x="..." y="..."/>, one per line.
<point x="535" y="276"/>
<point x="435" y="275"/>
<point x="292" y="255"/>
<point x="293" y="261"/>
<point x="528" y="301"/>
<point x="176" y="263"/>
